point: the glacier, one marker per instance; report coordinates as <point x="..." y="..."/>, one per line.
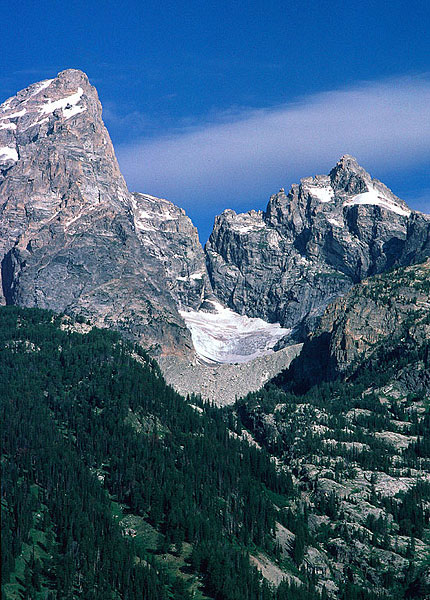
<point x="224" y="336"/>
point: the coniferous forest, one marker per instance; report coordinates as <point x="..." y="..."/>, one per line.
<point x="114" y="486"/>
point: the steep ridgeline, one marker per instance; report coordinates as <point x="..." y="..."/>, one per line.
<point x="386" y="309"/>
<point x="311" y="245"/>
<point x="72" y="237"/>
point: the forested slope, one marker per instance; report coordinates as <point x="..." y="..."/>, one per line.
<point x="114" y="486"/>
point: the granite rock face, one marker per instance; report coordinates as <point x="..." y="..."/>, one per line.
<point x="172" y="238"/>
<point x="311" y="245"/>
<point x="72" y="237"/>
<point x="389" y="309"/>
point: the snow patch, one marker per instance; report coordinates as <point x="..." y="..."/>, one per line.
<point x="335" y="222"/>
<point x="224" y="336"/>
<point x="7" y="126"/>
<point x="69" y="105"/>
<point x="71" y="111"/>
<point x="41" y="86"/>
<point x="247" y="228"/>
<point x="198" y="275"/>
<point x="375" y="197"/>
<point x="145" y="214"/>
<point x="324" y="194"/>
<point x="15" y="115"/>
<point x="8" y="154"/>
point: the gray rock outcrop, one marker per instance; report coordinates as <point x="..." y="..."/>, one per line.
<point x="389" y="309"/>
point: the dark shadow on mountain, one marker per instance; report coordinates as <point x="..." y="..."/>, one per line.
<point x="7" y="271"/>
<point x="312" y="366"/>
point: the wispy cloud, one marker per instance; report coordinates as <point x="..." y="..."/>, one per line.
<point x="122" y="122"/>
<point x="385" y="124"/>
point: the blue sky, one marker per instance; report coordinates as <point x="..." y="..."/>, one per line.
<point x="218" y="104"/>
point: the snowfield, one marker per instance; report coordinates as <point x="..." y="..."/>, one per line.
<point x="324" y="194"/>
<point x="376" y="198"/>
<point x="227" y="337"/>
<point x="7" y="153"/>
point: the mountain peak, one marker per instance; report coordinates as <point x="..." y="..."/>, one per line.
<point x="47" y="106"/>
<point x="347" y="159"/>
<point x="72" y="74"/>
<point x="75" y="78"/>
<point x="349" y="176"/>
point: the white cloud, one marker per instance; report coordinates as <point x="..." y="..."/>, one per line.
<point x="386" y="125"/>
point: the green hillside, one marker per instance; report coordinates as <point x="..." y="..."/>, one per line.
<point x="114" y="486"/>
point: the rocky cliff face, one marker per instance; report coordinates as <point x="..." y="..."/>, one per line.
<point x="311" y="245"/>
<point x="386" y="307"/>
<point x="72" y="237"/>
<point x="389" y="309"/>
<point x="171" y="237"/>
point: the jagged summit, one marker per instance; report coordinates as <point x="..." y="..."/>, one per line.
<point x="347" y="185"/>
<point x="74" y="75"/>
<point x="311" y="244"/>
<point x="347" y="162"/>
<point x="349" y="176"/>
<point x="348" y="159"/>
<point x="68" y="94"/>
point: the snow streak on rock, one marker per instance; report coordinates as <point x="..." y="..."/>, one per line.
<point x="375" y="197"/>
<point x="7" y="153"/>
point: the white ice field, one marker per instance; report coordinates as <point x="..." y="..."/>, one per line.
<point x="224" y="336"/>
